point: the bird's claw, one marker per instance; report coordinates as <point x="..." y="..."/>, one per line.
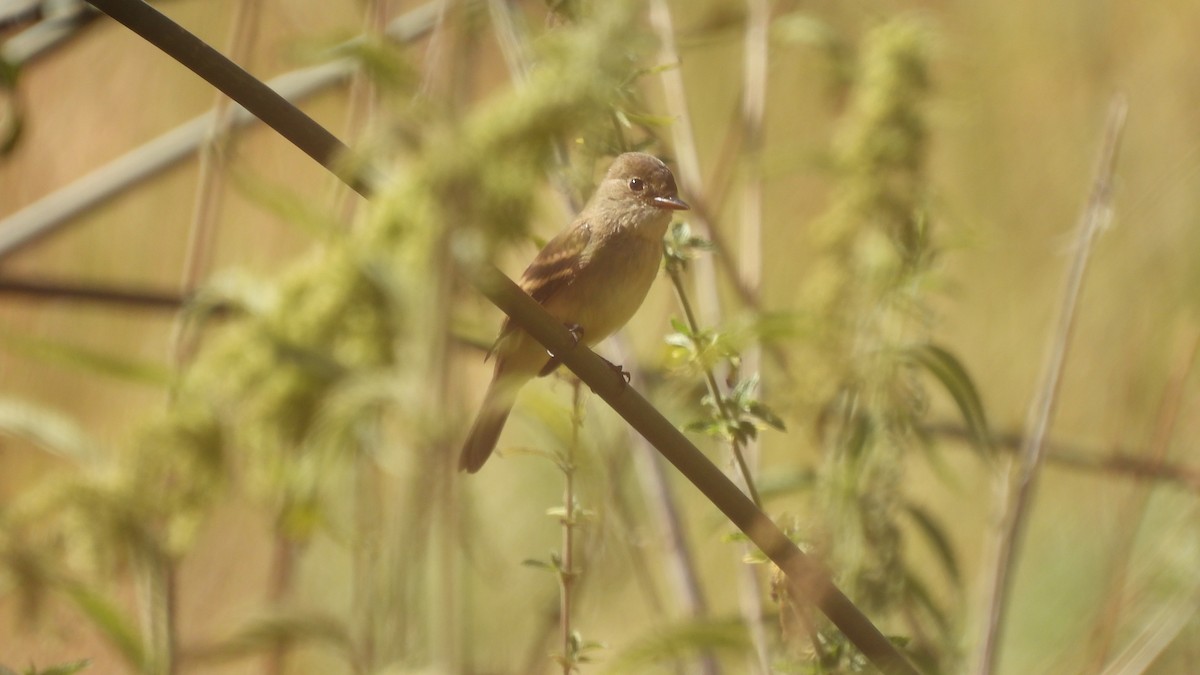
<point x="576" y="332"/>
<point x="625" y="376"/>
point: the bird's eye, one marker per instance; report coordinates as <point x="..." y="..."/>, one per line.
<point x="636" y="184"/>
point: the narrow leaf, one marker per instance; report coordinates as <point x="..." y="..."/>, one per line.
<point x="52" y="431"/>
<point x="63" y="354"/>
<point x="954" y="378"/>
<point x="61" y="669"/>
<point x="264" y="634"/>
<point x="681" y="640"/>
<point x="928" y="526"/>
<point x="111" y="622"/>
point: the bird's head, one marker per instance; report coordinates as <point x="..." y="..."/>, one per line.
<point x="638" y="183"/>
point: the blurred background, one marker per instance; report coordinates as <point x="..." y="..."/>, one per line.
<point x="915" y="178"/>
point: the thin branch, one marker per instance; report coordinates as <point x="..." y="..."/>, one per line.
<point x="1153" y="639"/>
<point x="1096" y="216"/>
<point x="49" y="32"/>
<point x="749" y="270"/>
<point x="211" y="182"/>
<point x="688" y="161"/>
<point x="133" y="298"/>
<point x="266" y="104"/>
<point x="45" y="216"/>
<point x="808" y="577"/>
<point x="710" y="379"/>
<point x="567" y="572"/>
<point x="1120" y="461"/>
<point x="659" y="495"/>
<point x="1133" y="513"/>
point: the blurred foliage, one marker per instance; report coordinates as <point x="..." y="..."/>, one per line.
<point x="875" y="248"/>
<point x="326" y="397"/>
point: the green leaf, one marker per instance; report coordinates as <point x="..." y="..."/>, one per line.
<point x="954" y="378"/>
<point x="918" y="592"/>
<point x="681" y="340"/>
<point x="111" y="622"/>
<point x="52" y="431"/>
<point x="382" y="61"/>
<point x="802" y="28"/>
<point x="630" y="119"/>
<point x="928" y="526"/>
<point x="291" y="207"/>
<point x="765" y="415"/>
<point x="63" y="354"/>
<point x="61" y="669"/>
<point x="12" y="115"/>
<point x="680" y="640"/>
<point x="782" y="482"/>
<point x="267" y="633"/>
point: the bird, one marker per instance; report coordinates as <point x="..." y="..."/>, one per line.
<point x="592" y="277"/>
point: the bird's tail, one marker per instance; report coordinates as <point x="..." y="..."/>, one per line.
<point x="481" y="440"/>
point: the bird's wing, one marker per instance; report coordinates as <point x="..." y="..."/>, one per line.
<point x="554" y="268"/>
<point x="557" y="264"/>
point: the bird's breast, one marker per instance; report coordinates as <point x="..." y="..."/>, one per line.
<point x="610" y="285"/>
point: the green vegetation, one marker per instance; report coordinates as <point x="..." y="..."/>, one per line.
<point x="850" y="323"/>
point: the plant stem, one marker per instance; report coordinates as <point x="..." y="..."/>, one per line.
<point x="1097" y="213"/>
<point x="807" y="577"/>
<point x="1133" y="513"/>
<point x="58" y="209"/>
<point x="156" y="599"/>
<point x="1116" y="461"/>
<point x="283" y="573"/>
<point x="714" y="388"/>
<point x="749" y="271"/>
<point x="567" y="573"/>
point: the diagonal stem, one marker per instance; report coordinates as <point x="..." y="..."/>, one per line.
<point x="1096" y="216"/>
<point x="714" y="389"/>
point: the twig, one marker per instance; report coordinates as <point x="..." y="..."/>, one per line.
<point x="210" y="183"/>
<point x="49" y="32"/>
<point x="566" y="573"/>
<point x="749" y="272"/>
<point x="155" y="586"/>
<point x="660" y="497"/>
<point x="48" y="214"/>
<point x="809" y="579"/>
<point x="688" y="162"/>
<point x="1096" y="216"/>
<point x="1120" y="461"/>
<point x="1133" y="513"/>
<point x="134" y="298"/>
<point x="284" y="554"/>
<point x="267" y="105"/>
<point x="714" y="389"/>
<point x="1150" y="643"/>
<point x="513" y="41"/>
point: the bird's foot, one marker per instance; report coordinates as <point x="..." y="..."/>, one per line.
<point x="618" y="370"/>
<point x="576" y="332"/>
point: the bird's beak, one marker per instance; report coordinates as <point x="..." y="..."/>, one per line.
<point x="673" y="203"/>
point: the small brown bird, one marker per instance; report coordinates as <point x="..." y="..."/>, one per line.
<point x="592" y="277"/>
